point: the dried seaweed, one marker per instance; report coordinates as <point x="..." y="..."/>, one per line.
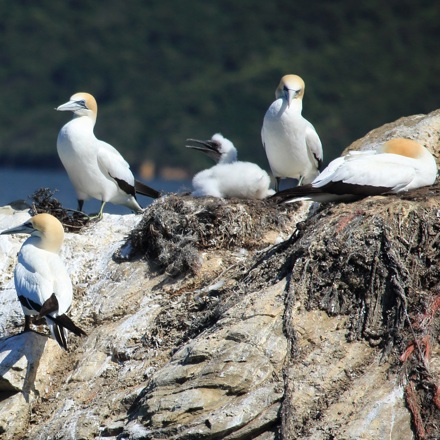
<point x="176" y="228"/>
<point x="376" y="261"/>
<point x="43" y="200"/>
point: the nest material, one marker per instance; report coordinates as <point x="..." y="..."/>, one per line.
<point x="377" y="262"/>
<point x="369" y="260"/>
<point x="374" y="261"/>
<point x="175" y="229"/>
<point x="43" y="201"/>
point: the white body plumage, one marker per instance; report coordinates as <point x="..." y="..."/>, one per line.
<point x="92" y="165"/>
<point x="292" y="145"/>
<point x="96" y="169"/>
<point x="41" y="280"/>
<point x="398" y="165"/>
<point x="229" y="178"/>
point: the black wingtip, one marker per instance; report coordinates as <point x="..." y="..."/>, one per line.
<point x="146" y="190"/>
<point x="65" y="322"/>
<point x="60" y="337"/>
<point x="291" y="193"/>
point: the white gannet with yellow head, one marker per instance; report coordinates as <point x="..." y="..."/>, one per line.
<point x="292" y="145"/>
<point x="230" y="178"/>
<point x="395" y="166"/>
<point x="96" y="169"/>
<point x="41" y="280"/>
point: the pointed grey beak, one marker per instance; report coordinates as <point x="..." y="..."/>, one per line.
<point x="290" y="95"/>
<point x="211" y="148"/>
<point x="71" y="106"/>
<point x="25" y="228"/>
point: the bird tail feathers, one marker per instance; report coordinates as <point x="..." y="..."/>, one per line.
<point x="58" y="333"/>
<point x="58" y="324"/>
<point x="297" y="194"/>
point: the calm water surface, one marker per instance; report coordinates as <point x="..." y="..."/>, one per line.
<point x="20" y="184"/>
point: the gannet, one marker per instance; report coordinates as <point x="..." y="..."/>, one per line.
<point x="229" y="178"/>
<point x="95" y="168"/>
<point x="395" y="166"/>
<point x="218" y="148"/>
<point x="41" y="280"/>
<point x="292" y="146"/>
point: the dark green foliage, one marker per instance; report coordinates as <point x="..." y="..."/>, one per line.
<point x="163" y="71"/>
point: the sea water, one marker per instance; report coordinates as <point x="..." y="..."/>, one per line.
<point x="20" y="184"/>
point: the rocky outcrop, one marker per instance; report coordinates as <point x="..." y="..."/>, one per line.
<point x="238" y="320"/>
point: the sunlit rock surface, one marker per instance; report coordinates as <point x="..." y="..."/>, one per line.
<point x="277" y="332"/>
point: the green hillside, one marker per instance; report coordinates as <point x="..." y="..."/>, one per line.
<point x="163" y="71"/>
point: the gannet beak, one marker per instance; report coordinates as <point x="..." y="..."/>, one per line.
<point x="71" y="106"/>
<point x="211" y="148"/>
<point x="25" y="228"/>
<point x="290" y="95"/>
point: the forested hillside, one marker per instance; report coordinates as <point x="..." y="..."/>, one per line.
<point x="163" y="71"/>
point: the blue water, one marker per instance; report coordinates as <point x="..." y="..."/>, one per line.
<point x="20" y="184"/>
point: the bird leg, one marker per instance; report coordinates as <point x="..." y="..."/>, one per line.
<point x="27" y="323"/>
<point x="80" y="205"/>
<point x="277" y="183"/>
<point x="101" y="210"/>
<point x="301" y="178"/>
<point x="98" y="216"/>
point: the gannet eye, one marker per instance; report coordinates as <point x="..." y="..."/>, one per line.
<point x="82" y="103"/>
<point x="29" y="225"/>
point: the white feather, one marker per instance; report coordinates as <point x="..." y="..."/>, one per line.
<point x="231" y="178"/>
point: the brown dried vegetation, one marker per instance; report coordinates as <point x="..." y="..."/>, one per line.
<point x="374" y="261"/>
<point x="176" y="228"/>
<point x="43" y="200"/>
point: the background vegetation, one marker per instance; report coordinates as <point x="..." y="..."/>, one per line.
<point x="163" y="71"/>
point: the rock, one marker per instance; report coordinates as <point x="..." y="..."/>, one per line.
<point x="19" y="361"/>
<point x="422" y="128"/>
<point x="279" y="322"/>
<point x="331" y="376"/>
<point x="226" y="380"/>
<point x="26" y="362"/>
<point x="14" y="416"/>
<point x="11" y="309"/>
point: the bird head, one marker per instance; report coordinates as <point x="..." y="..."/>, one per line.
<point x="81" y="104"/>
<point x="47" y="230"/>
<point x="290" y="87"/>
<point x="403" y="147"/>
<point x="218" y="148"/>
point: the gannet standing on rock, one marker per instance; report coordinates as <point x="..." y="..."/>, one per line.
<point x="41" y="280"/>
<point x="95" y="168"/>
<point x="293" y="147"/>
<point x="229" y="178"/>
<point x="395" y="166"/>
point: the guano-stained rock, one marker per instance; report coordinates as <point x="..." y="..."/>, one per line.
<point x="263" y="331"/>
